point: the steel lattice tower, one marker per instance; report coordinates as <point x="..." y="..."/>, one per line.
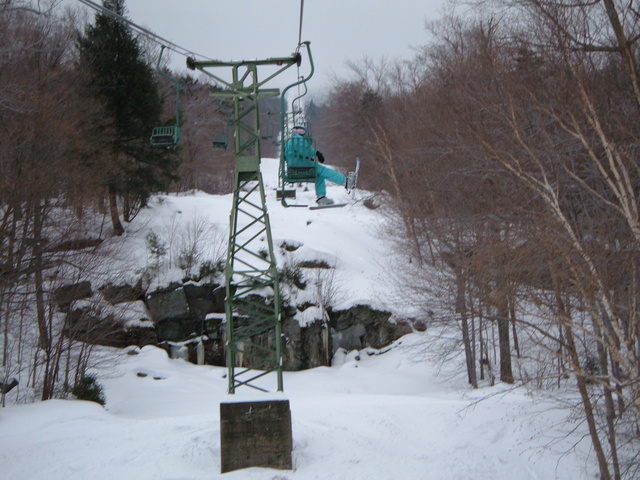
<point x="254" y="340"/>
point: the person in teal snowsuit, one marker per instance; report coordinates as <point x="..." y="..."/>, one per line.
<point x="298" y="152"/>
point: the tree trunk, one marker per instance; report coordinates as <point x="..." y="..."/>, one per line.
<point x="506" y="372"/>
<point x="44" y="341"/>
<point x="588" y="407"/>
<point x="113" y="210"/>
<point x="461" y="308"/>
<point x="574" y="358"/>
<point x="610" y="409"/>
<point x="512" y="315"/>
<point x="626" y="47"/>
<point x="5" y="331"/>
<point x="481" y="341"/>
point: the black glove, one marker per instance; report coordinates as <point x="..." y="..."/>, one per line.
<point x="320" y="156"/>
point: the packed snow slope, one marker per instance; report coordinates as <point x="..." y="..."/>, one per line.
<point x="374" y="415"/>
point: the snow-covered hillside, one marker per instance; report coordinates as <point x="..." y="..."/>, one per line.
<point x="374" y="415"/>
<point x="347" y="238"/>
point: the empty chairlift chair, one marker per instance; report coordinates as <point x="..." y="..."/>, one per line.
<point x="167" y="135"/>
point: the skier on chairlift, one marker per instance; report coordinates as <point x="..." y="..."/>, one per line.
<point x="299" y="151"/>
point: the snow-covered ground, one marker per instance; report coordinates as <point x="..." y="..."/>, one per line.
<point x="375" y="415"/>
<point x="383" y="417"/>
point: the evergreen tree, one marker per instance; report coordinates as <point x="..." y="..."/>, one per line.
<point x="118" y="75"/>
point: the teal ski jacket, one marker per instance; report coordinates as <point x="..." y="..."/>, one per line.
<point x="298" y="151"/>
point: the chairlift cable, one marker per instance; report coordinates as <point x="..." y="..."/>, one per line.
<point x="300" y="24"/>
<point x="144" y="31"/>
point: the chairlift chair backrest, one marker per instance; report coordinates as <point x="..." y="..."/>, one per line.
<point x="296" y="169"/>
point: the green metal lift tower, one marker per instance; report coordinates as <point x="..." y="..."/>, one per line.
<point x="254" y="339"/>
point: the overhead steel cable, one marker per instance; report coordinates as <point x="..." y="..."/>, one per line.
<point x="144" y="31"/>
<point x="300" y="24"/>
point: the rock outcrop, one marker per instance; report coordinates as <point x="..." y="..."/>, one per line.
<point x="188" y="320"/>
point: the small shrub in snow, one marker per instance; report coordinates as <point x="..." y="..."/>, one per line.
<point x="156" y="246"/>
<point x="211" y="268"/>
<point x="292" y="275"/>
<point x="89" y="389"/>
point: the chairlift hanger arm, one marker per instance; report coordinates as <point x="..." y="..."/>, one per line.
<point x="283" y="105"/>
<point x="167" y="136"/>
<point x="297" y="99"/>
<point x="169" y="77"/>
<point x="303" y="79"/>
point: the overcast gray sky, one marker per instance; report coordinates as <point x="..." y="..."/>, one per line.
<point x="254" y="29"/>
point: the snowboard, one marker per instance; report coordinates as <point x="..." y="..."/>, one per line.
<point x="339" y="205"/>
<point x="333" y="205"/>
